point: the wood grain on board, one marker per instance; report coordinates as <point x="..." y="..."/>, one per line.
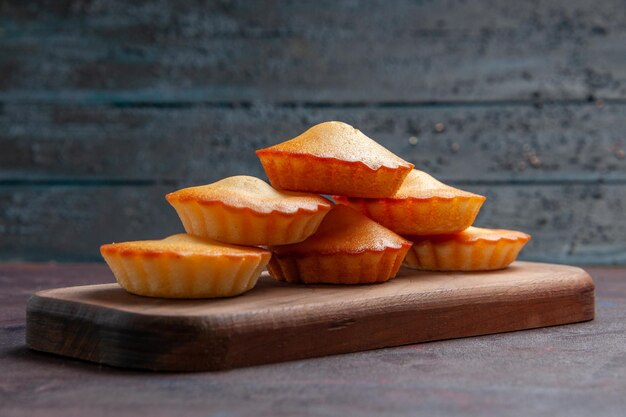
<point x="276" y="322"/>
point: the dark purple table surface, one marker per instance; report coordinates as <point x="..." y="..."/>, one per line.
<point x="573" y="370"/>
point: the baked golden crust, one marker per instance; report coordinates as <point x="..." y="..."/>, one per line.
<point x="474" y="249"/>
<point x="348" y="248"/>
<point x="334" y="158"/>
<point x="246" y="192"/>
<point x="247" y="211"/>
<point x="421" y="206"/>
<point x="184" y="266"/>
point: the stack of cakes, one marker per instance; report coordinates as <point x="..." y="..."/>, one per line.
<point x="387" y="213"/>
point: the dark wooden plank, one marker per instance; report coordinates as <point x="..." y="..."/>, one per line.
<point x="105" y="324"/>
<point x="575" y="370"/>
<point x="456" y="143"/>
<point x="325" y="51"/>
<point x="569" y="224"/>
<point x="69" y="223"/>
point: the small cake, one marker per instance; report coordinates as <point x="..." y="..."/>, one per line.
<point x="474" y="249"/>
<point x="184" y="266"/>
<point x="421" y="206"/>
<point x="334" y="158"/>
<point x="247" y="211"/>
<point x="348" y="248"/>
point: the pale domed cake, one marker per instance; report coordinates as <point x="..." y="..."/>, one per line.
<point x="184" y="266"/>
<point x="474" y="249"/>
<point x="334" y="158"/>
<point x="247" y="211"/>
<point x="421" y="206"/>
<point x="348" y="248"/>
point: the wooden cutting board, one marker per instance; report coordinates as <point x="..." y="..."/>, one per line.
<point x="277" y="322"/>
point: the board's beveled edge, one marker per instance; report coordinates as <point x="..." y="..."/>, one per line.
<point x="41" y="319"/>
<point x="219" y="344"/>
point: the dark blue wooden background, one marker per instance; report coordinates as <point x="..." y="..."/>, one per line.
<point x="107" y="105"/>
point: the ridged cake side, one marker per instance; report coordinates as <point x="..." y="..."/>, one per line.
<point x="413" y="216"/>
<point x="243" y="226"/>
<point x="308" y="173"/>
<point x="481" y="255"/>
<point x="363" y="268"/>
<point x="183" y="275"/>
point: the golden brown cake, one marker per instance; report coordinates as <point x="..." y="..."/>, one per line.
<point x="474" y="249"/>
<point x="247" y="211"/>
<point x="421" y="206"/>
<point x="334" y="158"/>
<point x="184" y="266"/>
<point x="348" y="248"/>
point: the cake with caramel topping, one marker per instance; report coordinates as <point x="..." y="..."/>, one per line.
<point x="247" y="211"/>
<point x="334" y="158"/>
<point x="184" y="266"/>
<point x="348" y="248"/>
<point x="474" y="249"/>
<point x="421" y="206"/>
